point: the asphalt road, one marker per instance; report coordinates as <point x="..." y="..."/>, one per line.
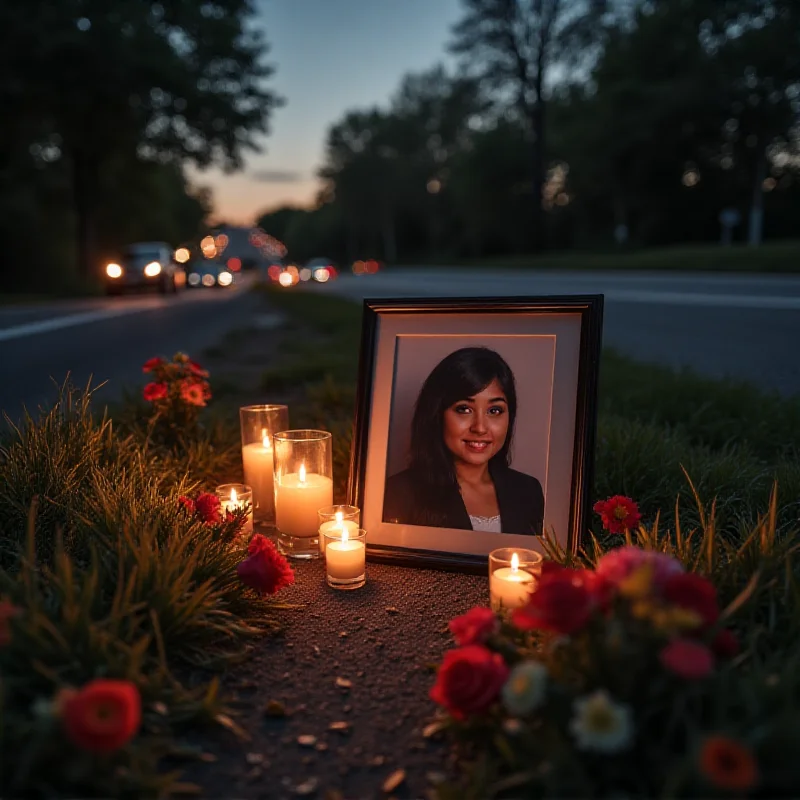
<point x="747" y="327"/>
<point x="741" y="326"/>
<point x="106" y="339"/>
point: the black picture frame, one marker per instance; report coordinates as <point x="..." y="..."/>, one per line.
<point x="589" y="307"/>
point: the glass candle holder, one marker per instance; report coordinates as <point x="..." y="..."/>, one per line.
<point x="346" y="558"/>
<point x="258" y="424"/>
<point x="303" y="485"/>
<point x="513" y="575"/>
<point x="335" y="519"/>
<point x="234" y="496"/>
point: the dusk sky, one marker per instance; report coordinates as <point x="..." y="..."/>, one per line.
<point x="330" y="56"/>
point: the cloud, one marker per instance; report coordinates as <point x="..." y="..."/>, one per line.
<point x="275" y="176"/>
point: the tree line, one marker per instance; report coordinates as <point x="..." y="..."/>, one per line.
<point x="103" y="104"/>
<point x="571" y="124"/>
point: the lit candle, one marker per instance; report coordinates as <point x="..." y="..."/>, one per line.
<point x="233" y="498"/>
<point x="336" y="526"/>
<point x="510" y="587"/>
<point x="298" y="497"/>
<point x="345" y="559"/>
<point x="258" y="473"/>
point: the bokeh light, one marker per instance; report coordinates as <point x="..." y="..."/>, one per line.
<point x="182" y="255"/>
<point x="234" y="264"/>
<point x="285" y="279"/>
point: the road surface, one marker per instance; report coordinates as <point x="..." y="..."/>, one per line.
<point x="107" y="339"/>
<point x="744" y="326"/>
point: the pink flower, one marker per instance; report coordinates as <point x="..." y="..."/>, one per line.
<point x="687" y="659"/>
<point x="474" y="627"/>
<point x="618" y="564"/>
<point x="266" y="571"/>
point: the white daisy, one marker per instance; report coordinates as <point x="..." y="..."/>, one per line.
<point x="525" y="688"/>
<point x="600" y="724"/>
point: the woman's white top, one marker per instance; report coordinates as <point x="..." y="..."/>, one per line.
<point x="488" y="524"/>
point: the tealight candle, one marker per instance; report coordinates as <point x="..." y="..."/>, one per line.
<point x="512" y="579"/>
<point x="335" y="519"/>
<point x="258" y="424"/>
<point x="235" y="496"/>
<point x="303" y="485"/>
<point x="345" y="559"/>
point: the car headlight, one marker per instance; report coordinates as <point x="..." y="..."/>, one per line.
<point x="114" y="270"/>
<point x="152" y="269"/>
<point x="225" y="279"/>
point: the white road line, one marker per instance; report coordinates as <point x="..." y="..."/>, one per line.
<point x="705" y="299"/>
<point x="56" y="323"/>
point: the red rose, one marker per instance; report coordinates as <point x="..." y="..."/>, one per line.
<point x="725" y="644"/>
<point x="207" y="507"/>
<point x="469" y="680"/>
<point x="102" y="716"/>
<point x="155" y="391"/>
<point x="266" y="570"/>
<point x="194" y="393"/>
<point x="695" y="593"/>
<point x="562" y="602"/>
<point x="618" y="513"/>
<point x="152" y="363"/>
<point x="187" y="503"/>
<point x="687" y="659"/>
<point x="474" y="627"/>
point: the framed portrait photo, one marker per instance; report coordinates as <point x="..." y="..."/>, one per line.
<point x="475" y="426"/>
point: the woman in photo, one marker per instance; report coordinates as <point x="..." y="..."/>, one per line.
<point x="461" y="434"/>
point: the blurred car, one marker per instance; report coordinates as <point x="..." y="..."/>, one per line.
<point x="207" y="273"/>
<point x="321" y="270"/>
<point x="145" y="265"/>
<point x="369" y="266"/>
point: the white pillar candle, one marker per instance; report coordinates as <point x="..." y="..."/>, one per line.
<point x="346" y="559"/>
<point x="298" y="499"/>
<point x="259" y="467"/>
<point x="510" y="587"/>
<point x="233" y="504"/>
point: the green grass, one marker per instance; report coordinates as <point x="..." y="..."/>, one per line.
<point x="114" y="579"/>
<point x="776" y="257"/>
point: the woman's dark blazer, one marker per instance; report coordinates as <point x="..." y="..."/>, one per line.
<point x="519" y="496"/>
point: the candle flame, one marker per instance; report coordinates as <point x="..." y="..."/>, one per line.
<point x="339" y="519"/>
<point x="514" y="562"/>
<point x="234" y="498"/>
<point x="302" y="473"/>
<point x="265" y="439"/>
<point x="345" y="535"/>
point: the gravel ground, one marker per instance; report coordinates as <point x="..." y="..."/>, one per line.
<point x="352" y="671"/>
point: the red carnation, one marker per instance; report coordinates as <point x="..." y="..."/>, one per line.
<point x="618" y="513"/>
<point x="187" y="503"/>
<point x="194" y="392"/>
<point x="562" y="602"/>
<point x="695" y="593"/>
<point x="475" y="626"/>
<point x="687" y="659"/>
<point x="207" y="507"/>
<point x="102" y="716"/>
<point x="152" y="363"/>
<point x="469" y="680"/>
<point x="266" y="571"/>
<point x="155" y="391"/>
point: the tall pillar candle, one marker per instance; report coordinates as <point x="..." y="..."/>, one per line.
<point x="298" y="498"/>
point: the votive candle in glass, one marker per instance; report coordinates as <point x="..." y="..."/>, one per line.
<point x="345" y="558"/>
<point x="303" y="485"/>
<point x="234" y="496"/>
<point x="335" y="519"/>
<point x="258" y="424"/>
<point x="513" y="576"/>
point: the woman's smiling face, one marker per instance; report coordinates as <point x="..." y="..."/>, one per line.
<point x="475" y="428"/>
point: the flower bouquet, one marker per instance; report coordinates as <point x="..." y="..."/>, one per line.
<point x="624" y="680"/>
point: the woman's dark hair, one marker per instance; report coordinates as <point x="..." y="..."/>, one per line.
<point x="460" y="375"/>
